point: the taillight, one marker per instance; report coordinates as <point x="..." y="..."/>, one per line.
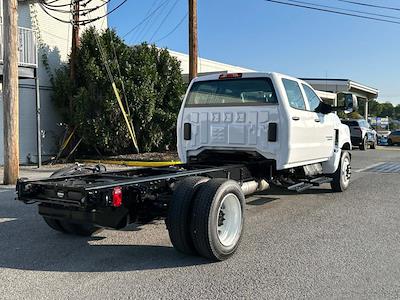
<point x="117" y="196"/>
<point x="230" y="75"/>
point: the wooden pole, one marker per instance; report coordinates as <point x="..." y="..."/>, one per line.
<point x="193" y="48"/>
<point x="74" y="46"/>
<point x="10" y="92"/>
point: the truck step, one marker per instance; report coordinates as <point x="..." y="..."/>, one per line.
<point x="320" y="180"/>
<point x="305" y="185"/>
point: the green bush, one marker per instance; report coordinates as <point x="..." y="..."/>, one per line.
<point x="153" y="86"/>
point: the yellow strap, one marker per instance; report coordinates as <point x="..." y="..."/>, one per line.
<point x="67" y="140"/>
<point x="131" y="163"/>
<point x="132" y="133"/>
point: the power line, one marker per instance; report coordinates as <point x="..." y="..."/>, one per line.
<point x="370" y="5"/>
<point x="150" y="23"/>
<point x="46" y="7"/>
<point x="108" y="13"/>
<point x="144" y="19"/>
<point x="50" y="4"/>
<point x="82" y="11"/>
<point x="165" y="18"/>
<point x="332" y="11"/>
<point x="345" y="9"/>
<point x="145" y="24"/>
<point x="174" y="29"/>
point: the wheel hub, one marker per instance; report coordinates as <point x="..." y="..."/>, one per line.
<point x="346" y="170"/>
<point x="229" y="220"/>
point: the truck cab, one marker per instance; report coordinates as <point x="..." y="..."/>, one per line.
<point x="269" y="115"/>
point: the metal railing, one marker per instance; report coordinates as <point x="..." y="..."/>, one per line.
<point x="27" y="47"/>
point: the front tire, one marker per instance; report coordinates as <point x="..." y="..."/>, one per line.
<point x="341" y="177"/>
<point x="364" y="144"/>
<point x="390" y="142"/>
<point x="217" y="219"/>
<point x="374" y="143"/>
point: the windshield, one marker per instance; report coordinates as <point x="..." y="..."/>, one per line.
<point x="244" y="91"/>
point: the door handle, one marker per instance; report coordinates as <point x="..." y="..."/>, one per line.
<point x="295" y="118"/>
<point x="317" y="120"/>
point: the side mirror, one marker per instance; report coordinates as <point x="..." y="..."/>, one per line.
<point x="349" y="102"/>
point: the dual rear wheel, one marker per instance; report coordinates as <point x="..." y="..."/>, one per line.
<point x="206" y="217"/>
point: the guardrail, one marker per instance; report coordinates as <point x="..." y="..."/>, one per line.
<point x="27" y="47"/>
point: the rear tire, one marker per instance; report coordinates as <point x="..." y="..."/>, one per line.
<point x="364" y="144"/>
<point x="179" y="214"/>
<point x="341" y="177"/>
<point x="217" y="219"/>
<point x="390" y="142"/>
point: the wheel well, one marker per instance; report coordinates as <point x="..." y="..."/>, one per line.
<point x="346" y="146"/>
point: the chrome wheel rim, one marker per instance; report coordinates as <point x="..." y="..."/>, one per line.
<point x="229" y="220"/>
<point x="346" y="171"/>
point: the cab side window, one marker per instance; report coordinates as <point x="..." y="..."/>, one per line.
<point x="294" y="94"/>
<point x="312" y="98"/>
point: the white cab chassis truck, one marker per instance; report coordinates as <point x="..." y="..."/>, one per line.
<point x="237" y="134"/>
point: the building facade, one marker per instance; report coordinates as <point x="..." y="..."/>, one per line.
<point x="44" y="45"/>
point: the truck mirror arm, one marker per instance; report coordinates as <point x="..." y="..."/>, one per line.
<point x="324" y="108"/>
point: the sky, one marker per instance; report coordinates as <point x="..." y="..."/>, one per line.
<point x="274" y="38"/>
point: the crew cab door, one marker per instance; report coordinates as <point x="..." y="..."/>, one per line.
<point x="301" y="141"/>
<point x="323" y="124"/>
<point x="311" y="134"/>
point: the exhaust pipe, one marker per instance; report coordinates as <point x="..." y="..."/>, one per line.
<point x="250" y="187"/>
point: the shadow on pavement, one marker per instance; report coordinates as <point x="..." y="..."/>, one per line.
<point x="31" y="245"/>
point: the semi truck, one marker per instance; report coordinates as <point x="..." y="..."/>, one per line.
<point x="237" y="134"/>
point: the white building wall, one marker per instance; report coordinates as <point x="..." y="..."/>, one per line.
<point x="206" y="65"/>
<point x="56" y="37"/>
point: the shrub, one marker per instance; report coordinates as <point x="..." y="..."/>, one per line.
<point x="153" y="87"/>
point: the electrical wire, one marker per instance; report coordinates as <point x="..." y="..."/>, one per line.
<point x="174" y="29"/>
<point x="145" y="24"/>
<point x="63" y="5"/>
<point x="163" y="20"/>
<point x="370" y="5"/>
<point x="332" y="11"/>
<point x="144" y="19"/>
<point x="345" y="9"/>
<point x="82" y="12"/>
<point x="54" y="17"/>
<point x="105" y="15"/>
<point x="150" y="23"/>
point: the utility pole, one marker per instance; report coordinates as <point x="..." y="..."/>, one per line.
<point x="75" y="45"/>
<point x="10" y="92"/>
<point x="193" y="47"/>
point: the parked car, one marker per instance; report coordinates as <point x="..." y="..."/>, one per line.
<point x="394" y="138"/>
<point x="382" y="136"/>
<point x="362" y="134"/>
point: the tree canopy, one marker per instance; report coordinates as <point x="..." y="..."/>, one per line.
<point x="152" y="83"/>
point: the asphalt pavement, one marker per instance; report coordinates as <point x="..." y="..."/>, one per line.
<point x="316" y="244"/>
